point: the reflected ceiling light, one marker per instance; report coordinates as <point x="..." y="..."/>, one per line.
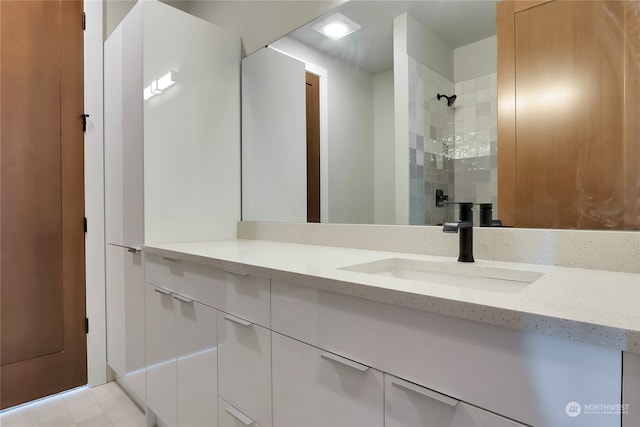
<point x="336" y="26"/>
<point x="147" y="93"/>
<point x="159" y="85"/>
<point x="166" y="80"/>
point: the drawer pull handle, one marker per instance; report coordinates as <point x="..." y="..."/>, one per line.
<point x="162" y="291"/>
<point x="425" y="392"/>
<point x="346" y="362"/>
<point x="239" y="416"/>
<point x="168" y="258"/>
<point x="238" y="321"/>
<point x="132" y="249"/>
<point x="236" y="272"/>
<point x="183" y="299"/>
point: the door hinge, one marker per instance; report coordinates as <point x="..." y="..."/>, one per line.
<point x="84" y="122"/>
<point x="85" y="224"/>
<point x="86" y="325"/>
<point x="84" y="21"/>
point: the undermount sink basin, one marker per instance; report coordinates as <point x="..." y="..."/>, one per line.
<point x="463" y="275"/>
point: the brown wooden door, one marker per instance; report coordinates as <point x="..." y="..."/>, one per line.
<point x="42" y="276"/>
<point x="313" y="147"/>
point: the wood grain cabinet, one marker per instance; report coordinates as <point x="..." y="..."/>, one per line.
<point x="568" y="134"/>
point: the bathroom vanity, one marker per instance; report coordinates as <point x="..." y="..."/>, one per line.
<point x="255" y="332"/>
<point x="286" y="334"/>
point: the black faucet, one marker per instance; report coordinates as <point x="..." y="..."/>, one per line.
<point x="465" y="229"/>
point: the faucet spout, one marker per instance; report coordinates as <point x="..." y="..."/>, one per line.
<point x="454" y="227"/>
<point x="465" y="230"/>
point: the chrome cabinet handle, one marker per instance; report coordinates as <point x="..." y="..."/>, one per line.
<point x="236" y="272"/>
<point x="407" y="386"/>
<point x="343" y="361"/>
<point x="132" y="249"/>
<point x="168" y="258"/>
<point x="239" y="415"/>
<point x="183" y="299"/>
<point x="238" y="320"/>
<point x="162" y="291"/>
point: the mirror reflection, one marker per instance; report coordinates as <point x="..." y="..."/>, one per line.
<point x="396" y="102"/>
<point x="360" y="172"/>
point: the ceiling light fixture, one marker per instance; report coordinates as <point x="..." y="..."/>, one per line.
<point x="336" y="26"/>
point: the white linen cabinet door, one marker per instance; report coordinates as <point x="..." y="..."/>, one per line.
<point x="197" y="363"/>
<point x="410" y="405"/>
<point x="160" y="328"/>
<point x="316" y="388"/>
<point x="125" y="319"/>
<point x="244" y="363"/>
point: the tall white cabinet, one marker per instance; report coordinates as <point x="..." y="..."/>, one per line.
<point x="172" y="158"/>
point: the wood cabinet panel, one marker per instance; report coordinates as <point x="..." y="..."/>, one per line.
<point x="631" y="115"/>
<point x="506" y="112"/>
<point x="568" y="143"/>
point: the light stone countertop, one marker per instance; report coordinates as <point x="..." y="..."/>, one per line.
<point x="594" y="306"/>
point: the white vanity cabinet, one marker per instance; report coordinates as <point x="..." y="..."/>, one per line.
<point x="244" y="365"/>
<point x="123" y="216"/>
<point x="524" y="376"/>
<point x="226" y="289"/>
<point x="125" y="319"/>
<point x="229" y="416"/>
<point x="410" y="405"/>
<point x="220" y="340"/>
<point x="172" y="156"/>
<point x="160" y="345"/>
<point x="181" y="348"/>
<point x="317" y="388"/>
<point x="263" y="352"/>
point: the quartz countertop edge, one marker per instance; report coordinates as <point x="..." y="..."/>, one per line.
<point x="593" y="306"/>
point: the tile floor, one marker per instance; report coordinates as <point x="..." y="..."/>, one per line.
<point x="106" y="405"/>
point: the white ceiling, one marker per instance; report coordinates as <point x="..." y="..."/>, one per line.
<point x="457" y="23"/>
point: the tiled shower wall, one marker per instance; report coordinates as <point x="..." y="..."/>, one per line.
<point x="476" y="127"/>
<point x="453" y="149"/>
<point x="431" y="143"/>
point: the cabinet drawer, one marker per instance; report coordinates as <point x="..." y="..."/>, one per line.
<point x="230" y="416"/>
<point x="532" y="377"/>
<point x="315" y="388"/>
<point x="231" y="291"/>
<point x="160" y="326"/>
<point x="196" y="364"/>
<point x="410" y="405"/>
<point x="244" y="365"/>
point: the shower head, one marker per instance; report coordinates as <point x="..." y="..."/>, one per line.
<point x="450" y="99"/>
